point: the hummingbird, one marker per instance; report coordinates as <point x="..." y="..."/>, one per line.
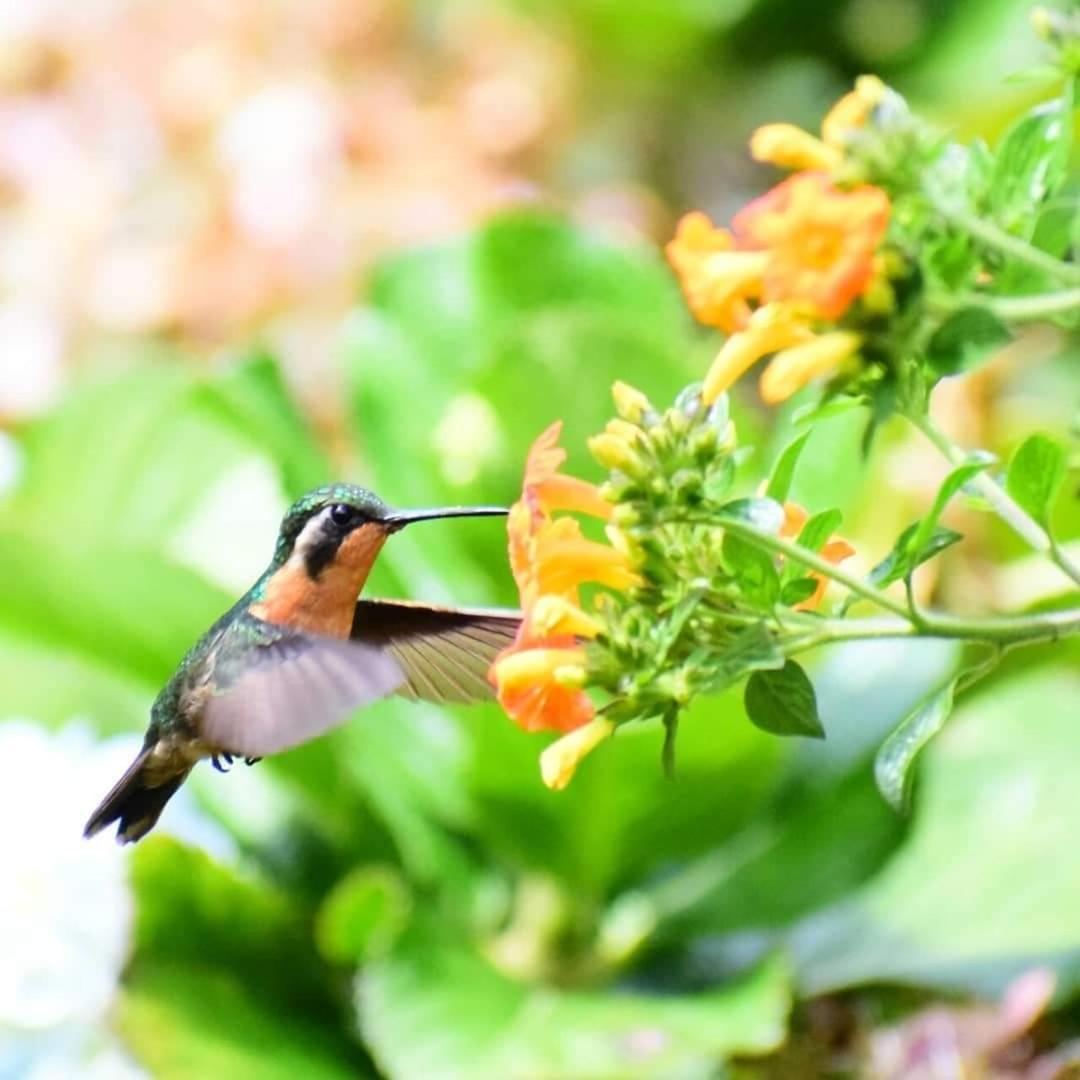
<point x="300" y="651"/>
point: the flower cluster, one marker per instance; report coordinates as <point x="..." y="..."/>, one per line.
<point x="794" y="261"/>
<point x="683" y="608"/>
<point x="538" y="679"/>
<point x="889" y="243"/>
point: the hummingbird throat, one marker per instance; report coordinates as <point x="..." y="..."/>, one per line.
<point x="326" y="602"/>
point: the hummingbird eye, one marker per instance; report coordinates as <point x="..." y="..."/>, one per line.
<point x="341" y="514"/>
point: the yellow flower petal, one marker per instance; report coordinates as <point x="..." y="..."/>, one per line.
<point x="532" y="667"/>
<point x="790" y="147"/>
<point x="793" y="368"/>
<point x="852" y="110"/>
<point x="562" y="492"/>
<point x="552" y="615"/>
<point x="565" y="564"/>
<point x="560" y="760"/>
<point x="771" y="328"/>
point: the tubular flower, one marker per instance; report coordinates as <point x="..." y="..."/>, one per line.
<point x="820" y="240"/>
<point x="546" y="489"/>
<point x="835" y="550"/>
<point x="771" y="328"/>
<point x="538" y="678"/>
<point x="560" y="760"/>
<point x="716" y="279"/>
<point x="790" y="147"/>
<point x="791" y="369"/>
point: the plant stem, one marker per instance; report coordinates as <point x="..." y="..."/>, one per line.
<point x="1010" y="511"/>
<point x="992" y="630"/>
<point x="814" y="562"/>
<point x="1024" y="308"/>
<point x="990" y="234"/>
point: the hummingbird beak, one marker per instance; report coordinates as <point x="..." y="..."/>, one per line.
<point x="398" y="519"/>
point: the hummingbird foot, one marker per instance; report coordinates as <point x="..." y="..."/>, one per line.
<point x="217" y="759"/>
<point x="252" y="760"/>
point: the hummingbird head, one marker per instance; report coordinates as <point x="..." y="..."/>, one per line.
<point x="326" y="521"/>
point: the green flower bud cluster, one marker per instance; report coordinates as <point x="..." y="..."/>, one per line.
<point x="668" y="472"/>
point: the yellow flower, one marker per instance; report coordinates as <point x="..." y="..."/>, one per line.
<point x="716" y="279"/>
<point x="561" y="759"/>
<point x="791" y="369"/>
<point x="526" y="667"/>
<point x="789" y="147"/>
<point x="772" y="328"/>
<point x="557" y="615"/>
<point x="853" y="110"/>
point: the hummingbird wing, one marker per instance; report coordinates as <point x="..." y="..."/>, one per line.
<point x="291" y="687"/>
<point x="444" y="652"/>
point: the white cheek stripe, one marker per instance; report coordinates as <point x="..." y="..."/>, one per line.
<point x="310" y="535"/>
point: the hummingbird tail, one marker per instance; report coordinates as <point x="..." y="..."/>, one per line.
<point x="134" y="801"/>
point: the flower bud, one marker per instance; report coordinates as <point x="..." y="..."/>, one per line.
<point x="631" y="404"/>
<point x="623" y="429"/>
<point x="613" y="452"/>
<point x="689" y="401"/>
<point x="676" y="421"/>
<point x="686" y="482"/>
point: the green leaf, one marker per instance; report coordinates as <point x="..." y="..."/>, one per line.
<point x="782" y="702"/>
<point x="1032" y="161"/>
<point x="903" y="559"/>
<point x="224" y="980"/>
<point x="362" y="915"/>
<point x="784" y="470"/>
<point x="1036" y="473"/>
<point x="764" y="514"/>
<point x="984" y="887"/>
<point x="179" y="1023"/>
<point x="798" y="590"/>
<point x="435" y="1009"/>
<point x="895" y="760"/>
<point x="924" y="533"/>
<point x="817" y="530"/>
<point x="966" y="339"/>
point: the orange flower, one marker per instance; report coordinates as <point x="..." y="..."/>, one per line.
<point x="716" y="279"/>
<point x="547" y="489"/>
<point x="835" y="550"/>
<point x="538" y="677"/>
<point x="526" y="678"/>
<point x="820" y="240"/>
